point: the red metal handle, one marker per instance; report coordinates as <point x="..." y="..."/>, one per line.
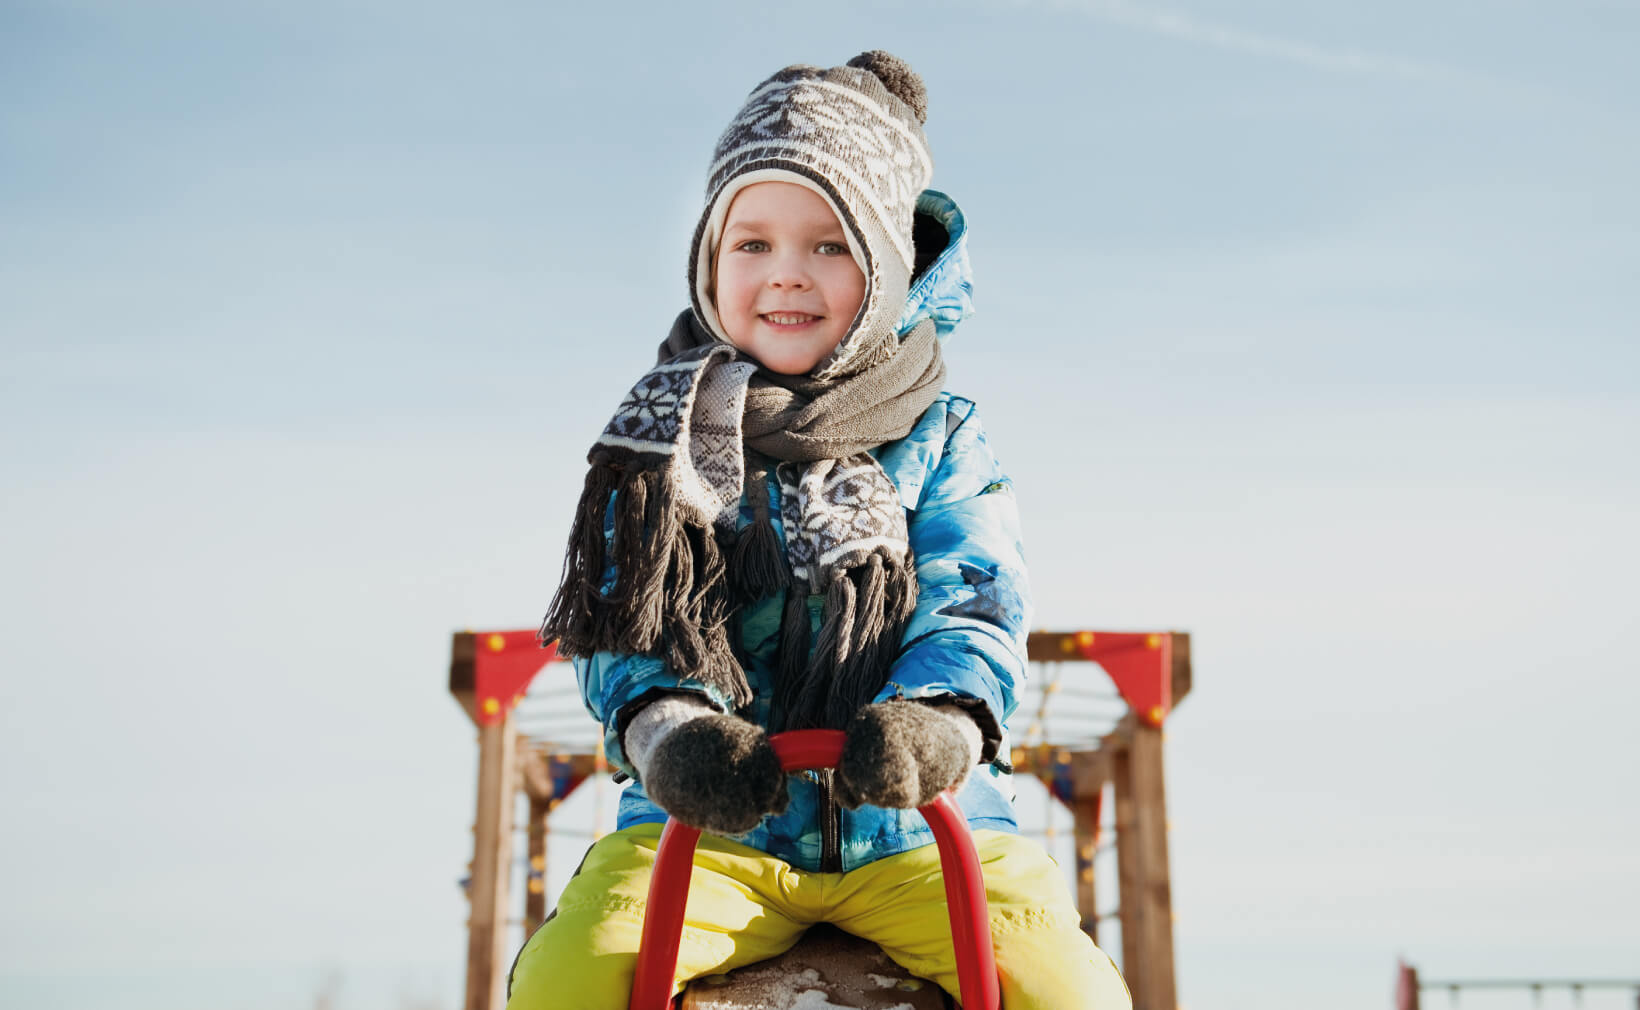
<point x="799" y="751"/>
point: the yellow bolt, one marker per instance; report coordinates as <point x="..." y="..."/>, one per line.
<point x="1086" y="874"/>
<point x="1084" y="639"/>
<point x="491" y="706"/>
<point x="538" y="863"/>
<point x="497" y="643"/>
<point x="1066" y="645"/>
<point x="537" y="887"/>
<point x="1153" y="642"/>
<point x="1156" y="714"/>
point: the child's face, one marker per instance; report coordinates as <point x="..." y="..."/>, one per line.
<point x="787" y="289"/>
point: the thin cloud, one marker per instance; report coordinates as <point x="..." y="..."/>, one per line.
<point x="1191" y="29"/>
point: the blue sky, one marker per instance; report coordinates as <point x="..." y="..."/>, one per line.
<point x="1307" y="328"/>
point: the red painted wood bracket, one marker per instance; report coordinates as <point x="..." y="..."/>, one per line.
<point x="1139" y="663"/>
<point x="504" y="663"/>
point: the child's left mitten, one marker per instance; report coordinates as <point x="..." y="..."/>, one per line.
<point x="902" y="754"/>
<point x="711" y="771"/>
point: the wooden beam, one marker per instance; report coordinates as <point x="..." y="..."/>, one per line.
<point x="1061" y="647"/>
<point x="463" y="677"/>
<point x="535" y="774"/>
<point x="1119" y="737"/>
<point x="492" y="865"/>
<point x="535" y="765"/>
<point x="1052" y="647"/>
<point x="1090" y="770"/>
<point x="1181" y="666"/>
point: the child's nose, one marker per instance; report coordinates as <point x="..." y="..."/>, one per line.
<point x="790" y="272"/>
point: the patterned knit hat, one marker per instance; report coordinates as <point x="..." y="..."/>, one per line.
<point x="853" y="134"/>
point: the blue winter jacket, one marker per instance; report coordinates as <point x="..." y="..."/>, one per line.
<point x="967" y="638"/>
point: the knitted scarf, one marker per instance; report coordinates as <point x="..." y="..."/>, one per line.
<point x="701" y="429"/>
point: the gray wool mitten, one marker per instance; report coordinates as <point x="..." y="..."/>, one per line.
<point x="902" y="754"/>
<point x="715" y="772"/>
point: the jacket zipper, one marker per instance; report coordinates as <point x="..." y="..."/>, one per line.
<point x="831" y="827"/>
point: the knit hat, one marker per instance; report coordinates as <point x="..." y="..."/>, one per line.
<point x="853" y="134"/>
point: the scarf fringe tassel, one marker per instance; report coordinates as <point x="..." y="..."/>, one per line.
<point x="866" y="612"/>
<point x="757" y="567"/>
<point x="670" y="593"/>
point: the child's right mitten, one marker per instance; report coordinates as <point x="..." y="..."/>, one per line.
<point x="715" y="772"/>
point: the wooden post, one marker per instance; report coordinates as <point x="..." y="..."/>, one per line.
<point x="1089" y="771"/>
<point x="1087" y="811"/>
<point x="492" y="865"/>
<point x="1150" y="807"/>
<point x="535" y="897"/>
<point x="1127" y="875"/>
<point x="1142" y="861"/>
<point x="1406" y="987"/>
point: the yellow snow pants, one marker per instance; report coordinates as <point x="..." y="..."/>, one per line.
<point x="746" y="905"/>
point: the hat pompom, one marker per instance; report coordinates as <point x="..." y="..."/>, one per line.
<point x="897" y="76"/>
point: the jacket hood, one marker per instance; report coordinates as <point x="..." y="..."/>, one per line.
<point x="941" y="290"/>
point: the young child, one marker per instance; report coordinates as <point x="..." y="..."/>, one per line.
<point x="788" y="524"/>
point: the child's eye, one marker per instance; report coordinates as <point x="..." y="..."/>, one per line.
<point x="833" y="249"/>
<point x="753" y="245"/>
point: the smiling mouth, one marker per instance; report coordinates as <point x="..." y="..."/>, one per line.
<point x="789" y="318"/>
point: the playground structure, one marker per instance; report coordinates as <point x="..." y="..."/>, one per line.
<point x="1409" y="988"/>
<point x="1075" y="731"/>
